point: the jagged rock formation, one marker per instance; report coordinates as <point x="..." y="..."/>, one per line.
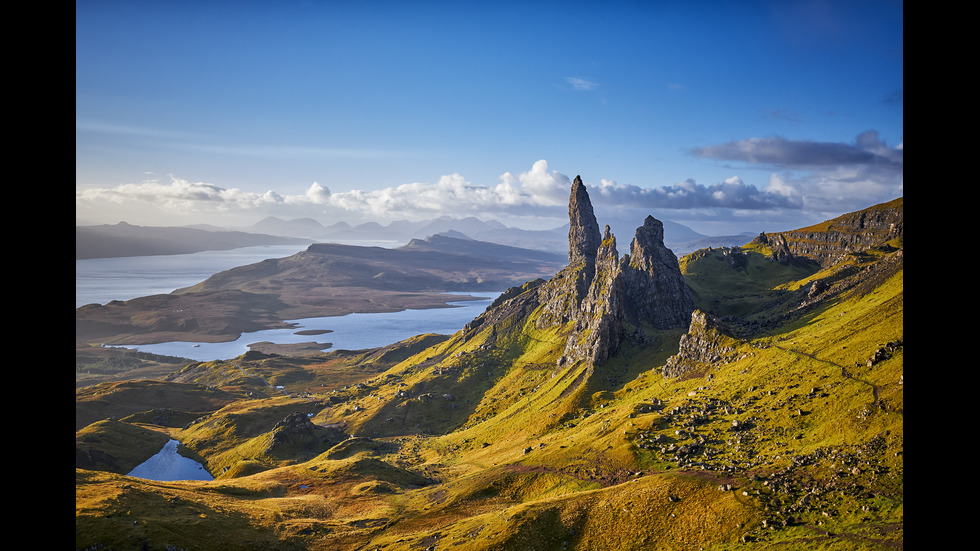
<point x="849" y="233"/>
<point x="779" y="246"/>
<point x="705" y="343"/>
<point x="599" y="325"/>
<point x="657" y="291"/>
<point x="583" y="231"/>
<point x="600" y="291"/>
<point x="736" y="258"/>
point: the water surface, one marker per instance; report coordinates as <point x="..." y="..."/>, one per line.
<point x="349" y="332"/>
<point x="168" y="465"/>
<point x="100" y="280"/>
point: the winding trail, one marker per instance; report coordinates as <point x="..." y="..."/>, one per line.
<point x="843" y="370"/>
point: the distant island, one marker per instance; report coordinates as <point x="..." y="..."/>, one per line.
<point x="326" y="279"/>
<point x="122" y="239"/>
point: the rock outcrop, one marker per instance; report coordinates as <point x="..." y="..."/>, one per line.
<point x="296" y="433"/>
<point x="600" y="291"/>
<point x="658" y="293"/>
<point x="705" y="343"/>
<point x="599" y="325"/>
<point x="516" y="303"/>
<point x="847" y="234"/>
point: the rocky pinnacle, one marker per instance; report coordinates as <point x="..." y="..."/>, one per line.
<point x="658" y="292"/>
<point x="602" y="292"/>
<point x="583" y="232"/>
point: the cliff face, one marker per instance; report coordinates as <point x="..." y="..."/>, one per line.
<point x="601" y="291"/>
<point x="846" y="234"/>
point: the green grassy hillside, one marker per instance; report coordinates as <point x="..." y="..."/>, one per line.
<point x="777" y="426"/>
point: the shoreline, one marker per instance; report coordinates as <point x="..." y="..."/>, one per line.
<point x="359" y="331"/>
<point x="102" y="326"/>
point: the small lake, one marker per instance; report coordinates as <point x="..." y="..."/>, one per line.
<point x="168" y="465"/>
<point x="350" y="332"/>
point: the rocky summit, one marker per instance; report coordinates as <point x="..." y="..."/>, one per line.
<point x="583" y="231"/>
<point x="604" y="292"/>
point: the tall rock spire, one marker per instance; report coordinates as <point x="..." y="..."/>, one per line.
<point x="583" y="232"/>
<point x="599" y="291"/>
<point x="599" y="327"/>
<point x="658" y="291"/>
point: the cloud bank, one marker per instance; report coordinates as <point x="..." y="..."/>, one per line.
<point x="804" y="176"/>
<point x="825" y="176"/>
<point x="732" y="193"/>
<point x="867" y="151"/>
<point x="533" y="193"/>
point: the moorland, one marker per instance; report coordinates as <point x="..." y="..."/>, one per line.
<point x="746" y="397"/>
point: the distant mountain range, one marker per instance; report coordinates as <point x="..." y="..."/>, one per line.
<point x="122" y="239"/>
<point x="402" y="231"/>
<point x="681" y="239"/>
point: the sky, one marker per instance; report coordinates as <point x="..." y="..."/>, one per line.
<point x="724" y="116"/>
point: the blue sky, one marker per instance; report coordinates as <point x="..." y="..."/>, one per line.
<point x="724" y="116"/>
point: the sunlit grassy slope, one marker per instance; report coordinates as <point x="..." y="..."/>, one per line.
<point x="793" y="441"/>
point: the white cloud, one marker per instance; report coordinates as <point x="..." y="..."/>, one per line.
<point x="455" y="195"/>
<point x="581" y="84"/>
<point x="179" y="199"/>
<point x="539" y="193"/>
<point x="537" y="186"/>
<point x="515" y="195"/>
<point x="780" y="186"/>
<point x="317" y="194"/>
